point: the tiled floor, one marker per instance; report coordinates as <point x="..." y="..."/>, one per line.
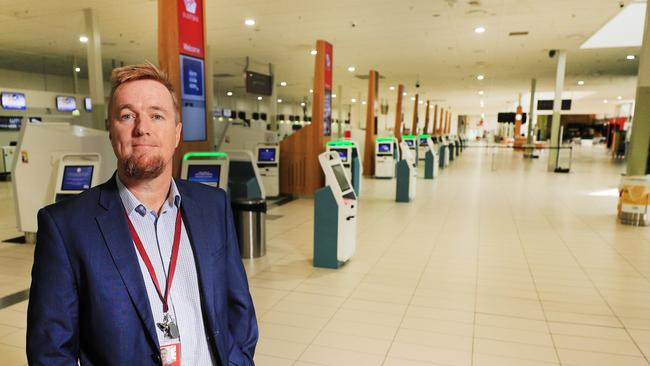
<point x="493" y="264"/>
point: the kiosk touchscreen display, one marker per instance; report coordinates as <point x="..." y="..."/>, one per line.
<point x="409" y="142"/>
<point x="206" y="174"/>
<point x="266" y="155"/>
<point x="423" y="141"/>
<point x="343" y="154"/>
<point x="384" y="148"/>
<point x="77" y="177"/>
<point x="339" y="173"/>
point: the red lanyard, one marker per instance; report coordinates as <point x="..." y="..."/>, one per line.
<point x="147" y="261"/>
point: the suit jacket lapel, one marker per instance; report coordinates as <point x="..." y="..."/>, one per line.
<point x="195" y="222"/>
<point x="113" y="226"/>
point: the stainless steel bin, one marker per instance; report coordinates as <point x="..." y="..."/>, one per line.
<point x="250" y="223"/>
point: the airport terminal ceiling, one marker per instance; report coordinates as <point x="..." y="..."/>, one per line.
<point x="432" y="42"/>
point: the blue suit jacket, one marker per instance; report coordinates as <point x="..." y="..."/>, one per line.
<point x="88" y="300"/>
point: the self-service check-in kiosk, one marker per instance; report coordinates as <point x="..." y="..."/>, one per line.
<point x="406" y="175"/>
<point x="207" y="167"/>
<point x="75" y="173"/>
<point x="430" y="157"/>
<point x="351" y="159"/>
<point x="452" y="147"/>
<point x="335" y="215"/>
<point x="386" y="156"/>
<point x="268" y="164"/>
<point x="444" y="151"/>
<point x="412" y="143"/>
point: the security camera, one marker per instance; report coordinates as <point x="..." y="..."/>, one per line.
<point x="417" y="84"/>
<point x="621" y="5"/>
<point x="552" y="53"/>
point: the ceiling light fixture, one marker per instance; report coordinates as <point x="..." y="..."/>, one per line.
<point x="313" y="52"/>
<point x="412" y="98"/>
<point x="363" y="102"/>
<point x="229" y="94"/>
<point x="630" y="57"/>
<point x="249" y="22"/>
<point x="619" y="97"/>
<point x="581" y="82"/>
<point x="77" y="69"/>
<point x="311" y="91"/>
<point x="302" y="104"/>
<point x="480" y="77"/>
<point x="83" y="39"/>
<point x="259" y="98"/>
<point x="481" y="92"/>
<point x="404" y="94"/>
<point x="605" y="101"/>
<point x="283" y="83"/>
<point x="352" y="69"/>
<point x="480" y="29"/>
<point x="353" y="100"/>
<point x="333" y="95"/>
<point x="391" y="88"/>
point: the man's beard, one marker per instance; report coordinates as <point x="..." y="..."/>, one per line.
<point x="143" y="167"/>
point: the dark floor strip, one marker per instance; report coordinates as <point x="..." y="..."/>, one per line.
<point x="14" y="298"/>
<point x="16" y="240"/>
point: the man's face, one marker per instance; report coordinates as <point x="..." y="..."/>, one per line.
<point x="143" y="130"/>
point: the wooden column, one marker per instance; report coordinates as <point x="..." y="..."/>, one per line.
<point x="441" y="130"/>
<point x="369" y="147"/>
<point x="179" y="26"/>
<point x="300" y="172"/>
<point x="414" y="126"/>
<point x="426" y="119"/>
<point x="397" y="130"/>
<point x="435" y="120"/>
<point x="448" y="121"/>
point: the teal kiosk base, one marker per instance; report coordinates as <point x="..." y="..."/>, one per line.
<point x="403" y="181"/>
<point x="356" y="175"/>
<point x="428" y="165"/>
<point x="326" y="229"/>
<point x="443" y="149"/>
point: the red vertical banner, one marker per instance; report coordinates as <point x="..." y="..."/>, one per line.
<point x="190" y="28"/>
<point x="327" y="90"/>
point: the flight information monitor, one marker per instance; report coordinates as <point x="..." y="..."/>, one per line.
<point x="66" y="103"/>
<point x="339" y="173"/>
<point x="77" y="177"/>
<point x="343" y="153"/>
<point x="384" y="148"/>
<point x="266" y="155"/>
<point x="206" y="174"/>
<point x="13" y="101"/>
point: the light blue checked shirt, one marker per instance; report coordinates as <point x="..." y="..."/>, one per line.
<point x="157" y="233"/>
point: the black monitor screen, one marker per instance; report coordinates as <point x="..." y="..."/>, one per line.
<point x="266" y="155"/>
<point x="77" y="177"/>
<point x="343" y="154"/>
<point x="423" y="141"/>
<point x="206" y="174"/>
<point x="384" y="148"/>
<point x="339" y="173"/>
<point x="409" y="143"/>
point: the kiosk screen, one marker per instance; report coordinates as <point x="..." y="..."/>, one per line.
<point x="343" y="154"/>
<point x="339" y="173"/>
<point x="77" y="177"/>
<point x="384" y="148"/>
<point x="423" y="141"/>
<point x="266" y="155"/>
<point x="206" y="174"/>
<point x="409" y="142"/>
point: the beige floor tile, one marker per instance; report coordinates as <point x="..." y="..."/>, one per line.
<point x="337" y="357"/>
<point x="513" y="335"/>
<point x="444" y="356"/>
<point x="353" y="343"/>
<point x="280" y="348"/>
<point x="515" y="350"/>
<point x="480" y="359"/>
<point x="584" y="358"/>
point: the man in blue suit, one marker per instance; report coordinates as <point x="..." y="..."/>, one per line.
<point x="143" y="269"/>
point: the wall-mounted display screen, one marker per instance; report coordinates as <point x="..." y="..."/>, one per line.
<point x="77" y="177"/>
<point x="339" y="173"/>
<point x="343" y="154"/>
<point x="12" y="100"/>
<point x="266" y="155"/>
<point x="10" y="122"/>
<point x="88" y="104"/>
<point x="206" y="174"/>
<point x="257" y="83"/>
<point x="65" y="103"/>
<point x="547" y="105"/>
<point x="384" y="148"/>
<point x="227" y="113"/>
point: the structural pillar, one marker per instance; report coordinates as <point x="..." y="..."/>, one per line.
<point x="637" y="159"/>
<point x="435" y="120"/>
<point x="426" y="119"/>
<point x="339" y="109"/>
<point x="397" y="128"/>
<point x="554" y="153"/>
<point x="273" y="101"/>
<point x="95" y="72"/>
<point x="531" y="111"/>
<point x="369" y="146"/>
<point x="414" y="126"/>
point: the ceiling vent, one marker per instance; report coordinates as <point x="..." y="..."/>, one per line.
<point x="223" y="75"/>
<point x="523" y="33"/>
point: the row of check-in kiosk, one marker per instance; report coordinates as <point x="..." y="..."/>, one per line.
<point x="58" y="153"/>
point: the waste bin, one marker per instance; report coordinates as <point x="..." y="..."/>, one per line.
<point x="250" y="221"/>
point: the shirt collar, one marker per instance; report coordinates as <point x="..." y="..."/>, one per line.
<point x="131" y="203"/>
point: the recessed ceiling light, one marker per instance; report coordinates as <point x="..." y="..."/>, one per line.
<point x="313" y="52"/>
<point x="630" y="57"/>
<point x="352" y="69"/>
<point x="391" y="88"/>
<point x="302" y="104"/>
<point x="480" y="77"/>
<point x="420" y="102"/>
<point x="311" y="91"/>
<point x="333" y="95"/>
<point x="404" y="94"/>
<point x="605" y="101"/>
<point x="77" y="69"/>
<point x="283" y="83"/>
<point x="279" y="100"/>
<point x="619" y="97"/>
<point x="229" y="94"/>
<point x="412" y="98"/>
<point x="363" y="102"/>
<point x="482" y="103"/>
<point x="479" y="29"/>
<point x="249" y="22"/>
<point x="481" y="92"/>
<point x="581" y="82"/>
<point x="83" y="39"/>
<point x="259" y="98"/>
<point x="353" y="100"/>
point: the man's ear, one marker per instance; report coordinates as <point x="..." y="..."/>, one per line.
<point x="179" y="128"/>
